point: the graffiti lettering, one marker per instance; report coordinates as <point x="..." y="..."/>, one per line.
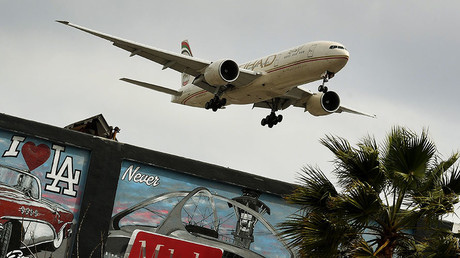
<point x="15" y="254"/>
<point x="136" y="177"/>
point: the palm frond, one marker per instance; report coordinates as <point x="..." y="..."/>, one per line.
<point x="407" y="157"/>
<point x="317" y="235"/>
<point x="408" y="248"/>
<point x="356" y="164"/>
<point x="436" y="175"/>
<point x="451" y="180"/>
<point x="445" y="246"/>
<point x="362" y="250"/>
<point x="436" y="202"/>
<point x="314" y="192"/>
<point x="359" y="204"/>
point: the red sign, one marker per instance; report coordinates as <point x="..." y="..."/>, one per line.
<point x="147" y="244"/>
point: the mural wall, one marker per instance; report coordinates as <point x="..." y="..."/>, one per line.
<point x="41" y="187"/>
<point x="158" y="211"/>
<point x="130" y="202"/>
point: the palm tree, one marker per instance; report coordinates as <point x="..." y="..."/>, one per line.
<point x="387" y="192"/>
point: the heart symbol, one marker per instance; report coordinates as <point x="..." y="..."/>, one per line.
<point x="35" y="155"/>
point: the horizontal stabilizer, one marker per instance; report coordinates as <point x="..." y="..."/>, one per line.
<point x="153" y="87"/>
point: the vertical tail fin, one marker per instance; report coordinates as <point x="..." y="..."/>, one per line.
<point x="185" y="50"/>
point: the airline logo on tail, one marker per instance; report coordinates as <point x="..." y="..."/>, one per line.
<point x="186" y="48"/>
<point x="188" y="52"/>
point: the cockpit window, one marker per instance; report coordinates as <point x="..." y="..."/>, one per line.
<point x="336" y="46"/>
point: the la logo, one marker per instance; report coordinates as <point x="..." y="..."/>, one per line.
<point x="65" y="174"/>
<point x="63" y="177"/>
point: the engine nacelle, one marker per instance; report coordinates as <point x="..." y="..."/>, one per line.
<point x="221" y="72"/>
<point x="322" y="104"/>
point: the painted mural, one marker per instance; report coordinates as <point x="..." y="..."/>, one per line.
<point x="157" y="212"/>
<point x="41" y="186"/>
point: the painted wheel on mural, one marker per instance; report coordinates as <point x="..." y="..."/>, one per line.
<point x="199" y="215"/>
<point x="58" y="240"/>
<point x="9" y="239"/>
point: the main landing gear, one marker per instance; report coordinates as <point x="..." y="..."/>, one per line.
<point x="271" y="119"/>
<point x="215" y="103"/>
<point x="326" y="76"/>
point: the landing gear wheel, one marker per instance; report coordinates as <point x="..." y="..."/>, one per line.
<point x="263" y="122"/>
<point x="326" y="76"/>
<point x="215" y="103"/>
<point x="280" y="118"/>
<point x="271" y="120"/>
<point x="322" y="88"/>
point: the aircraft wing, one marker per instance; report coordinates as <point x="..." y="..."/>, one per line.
<point x="299" y="98"/>
<point x="352" y="111"/>
<point x="153" y="87"/>
<point x="178" y="62"/>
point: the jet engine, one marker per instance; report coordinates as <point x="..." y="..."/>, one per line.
<point x="221" y="72"/>
<point x="322" y="104"/>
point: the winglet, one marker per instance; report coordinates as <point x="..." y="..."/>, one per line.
<point x="63" y="22"/>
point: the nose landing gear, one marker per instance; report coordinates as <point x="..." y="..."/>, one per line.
<point x="326" y="76"/>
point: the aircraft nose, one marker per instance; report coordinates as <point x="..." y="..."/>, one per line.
<point x="338" y="56"/>
<point x="346" y="53"/>
<point x="339" y="50"/>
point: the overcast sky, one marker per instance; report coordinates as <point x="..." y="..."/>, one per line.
<point x="403" y="67"/>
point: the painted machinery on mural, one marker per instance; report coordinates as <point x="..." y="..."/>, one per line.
<point x="234" y="225"/>
<point x="27" y="220"/>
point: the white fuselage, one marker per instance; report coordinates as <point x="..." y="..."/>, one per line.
<point x="280" y="73"/>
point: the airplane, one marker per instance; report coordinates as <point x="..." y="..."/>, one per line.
<point x="268" y="82"/>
